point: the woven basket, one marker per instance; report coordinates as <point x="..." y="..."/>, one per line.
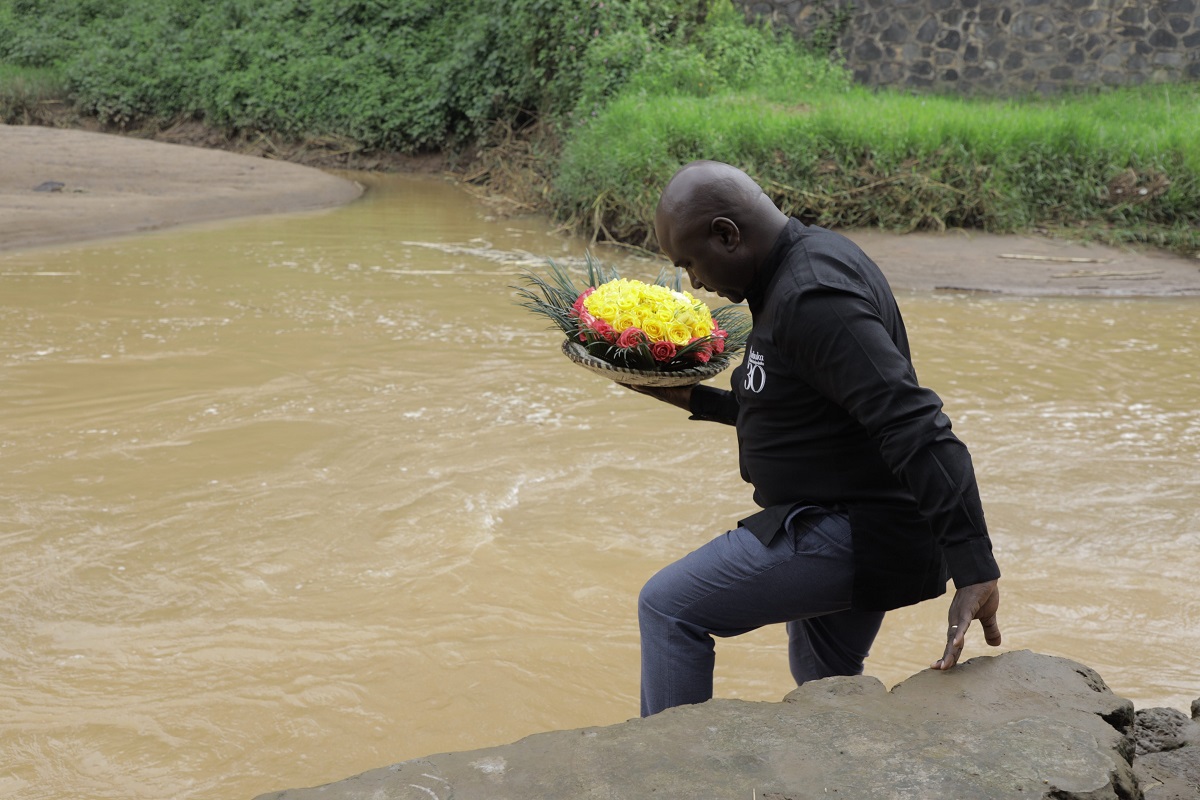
<point x="640" y="377"/>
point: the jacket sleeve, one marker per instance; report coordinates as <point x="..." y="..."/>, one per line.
<point x="714" y="405"/>
<point x="840" y="343"/>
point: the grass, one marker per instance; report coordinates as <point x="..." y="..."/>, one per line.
<point x="25" y="92"/>
<point x="1120" y="165"/>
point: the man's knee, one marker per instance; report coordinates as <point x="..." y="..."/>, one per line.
<point x="656" y="598"/>
<point x="649" y="597"/>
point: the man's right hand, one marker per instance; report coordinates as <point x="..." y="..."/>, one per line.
<point x="680" y="396"/>
<point x="978" y="601"/>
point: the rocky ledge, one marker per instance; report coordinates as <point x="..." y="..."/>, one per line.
<point x="1017" y="725"/>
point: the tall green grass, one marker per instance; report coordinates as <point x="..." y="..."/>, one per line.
<point x="25" y="92"/>
<point x="1121" y="165"/>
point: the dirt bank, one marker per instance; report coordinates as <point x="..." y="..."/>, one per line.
<point x="114" y="185"/>
<point x="95" y="185"/>
<point x="1031" y="265"/>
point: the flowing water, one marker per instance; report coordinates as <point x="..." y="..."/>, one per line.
<point x="290" y="498"/>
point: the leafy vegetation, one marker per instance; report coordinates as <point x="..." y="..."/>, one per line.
<point x="391" y="74"/>
<point x="1119" y="165"/>
<point x="602" y="101"/>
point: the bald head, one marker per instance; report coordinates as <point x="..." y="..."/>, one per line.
<point x="714" y="221"/>
<point x="709" y="188"/>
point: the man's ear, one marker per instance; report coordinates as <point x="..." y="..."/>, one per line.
<point x="727" y="229"/>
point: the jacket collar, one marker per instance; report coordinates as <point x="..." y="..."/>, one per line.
<point x="756" y="292"/>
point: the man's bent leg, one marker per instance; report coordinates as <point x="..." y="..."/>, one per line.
<point x="732" y="585"/>
<point x="833" y="644"/>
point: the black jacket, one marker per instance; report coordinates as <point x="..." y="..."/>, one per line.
<point x="829" y="412"/>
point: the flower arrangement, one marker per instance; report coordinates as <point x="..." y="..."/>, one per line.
<point x="637" y="327"/>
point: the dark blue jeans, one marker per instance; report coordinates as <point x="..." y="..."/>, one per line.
<point x="735" y="584"/>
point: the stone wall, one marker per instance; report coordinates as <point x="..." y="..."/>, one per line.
<point x="1003" y="47"/>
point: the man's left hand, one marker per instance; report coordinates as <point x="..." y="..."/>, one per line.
<point x="977" y="601"/>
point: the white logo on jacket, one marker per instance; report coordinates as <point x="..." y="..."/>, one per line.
<point x="756" y="372"/>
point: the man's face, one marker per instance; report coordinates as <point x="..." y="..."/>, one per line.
<point x="713" y="259"/>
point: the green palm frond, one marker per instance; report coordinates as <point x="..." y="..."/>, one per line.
<point x="598" y="273"/>
<point x="551" y="297"/>
<point x="737" y="323"/>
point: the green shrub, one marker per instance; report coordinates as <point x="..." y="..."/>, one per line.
<point x="396" y="74"/>
<point x="47" y="33"/>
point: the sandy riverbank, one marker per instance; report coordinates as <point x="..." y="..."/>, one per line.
<point x="114" y="185"/>
<point x="1030" y="265"/>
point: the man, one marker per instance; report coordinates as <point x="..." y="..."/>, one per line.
<point x="869" y="500"/>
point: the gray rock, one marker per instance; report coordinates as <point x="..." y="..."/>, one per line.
<point x="1158" y="730"/>
<point x="1171" y="775"/>
<point x="1017" y="725"/>
<point x="1167" y="766"/>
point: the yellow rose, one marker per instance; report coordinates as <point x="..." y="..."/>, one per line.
<point x="606" y="312"/>
<point x="655" y="328"/>
<point x="663" y="314"/>
<point x="678" y="334"/>
<point x="625" y="319"/>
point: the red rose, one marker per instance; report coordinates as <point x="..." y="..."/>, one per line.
<point x="662" y="351"/>
<point x="577" y="306"/>
<point x="631" y="337"/>
<point x="604" y="329"/>
<point x="718" y="344"/>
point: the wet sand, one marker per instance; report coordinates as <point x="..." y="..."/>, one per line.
<point x="114" y="185"/>
<point x="1029" y="265"/>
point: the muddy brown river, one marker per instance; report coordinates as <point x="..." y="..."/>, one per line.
<point x="290" y="498"/>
